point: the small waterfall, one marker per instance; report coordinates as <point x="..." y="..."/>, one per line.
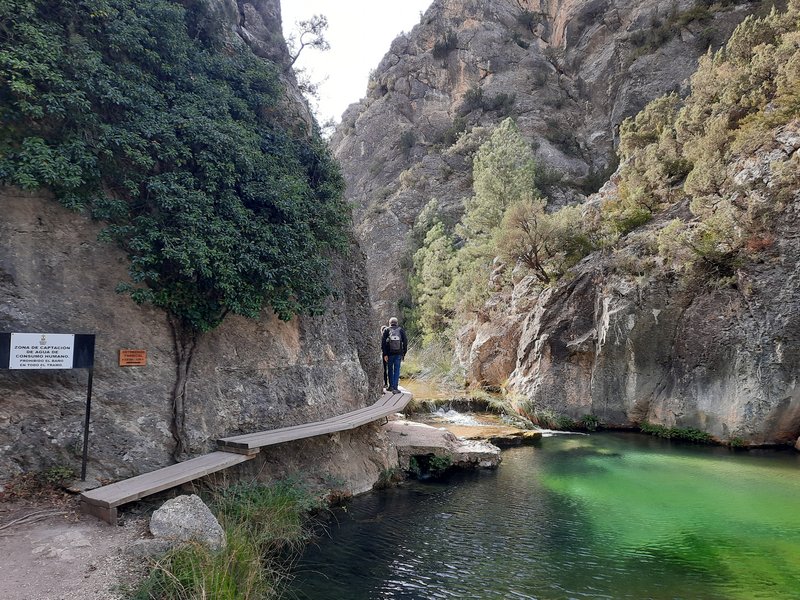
<point x="457" y="418"/>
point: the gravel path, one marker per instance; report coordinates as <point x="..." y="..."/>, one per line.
<point x="52" y="552"/>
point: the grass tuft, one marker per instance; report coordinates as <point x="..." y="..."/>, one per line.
<point x="266" y="527"/>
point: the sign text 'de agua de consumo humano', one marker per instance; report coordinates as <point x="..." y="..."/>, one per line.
<point x="41" y="351"/>
<point x="46" y="351"/>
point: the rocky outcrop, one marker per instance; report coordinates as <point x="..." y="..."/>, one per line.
<point x="630" y="343"/>
<point x="568" y="71"/>
<point x="55" y="276"/>
<point x="414" y="440"/>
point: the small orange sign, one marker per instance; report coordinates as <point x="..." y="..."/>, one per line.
<point x="132" y="358"/>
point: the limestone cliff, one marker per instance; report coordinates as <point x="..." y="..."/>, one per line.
<point x="630" y="344"/>
<point x="55" y="276"/>
<point x="568" y="71"/>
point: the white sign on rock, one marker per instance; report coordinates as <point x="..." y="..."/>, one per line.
<point x="41" y="350"/>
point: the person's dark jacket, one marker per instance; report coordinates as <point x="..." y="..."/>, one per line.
<point x="403" y="342"/>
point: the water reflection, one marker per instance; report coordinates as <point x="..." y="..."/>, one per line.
<point x="601" y="516"/>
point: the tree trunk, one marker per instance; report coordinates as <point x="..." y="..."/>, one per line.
<point x="185" y="341"/>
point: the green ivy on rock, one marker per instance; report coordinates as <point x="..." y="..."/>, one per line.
<point x="153" y="117"/>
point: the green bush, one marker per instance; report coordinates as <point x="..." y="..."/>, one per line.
<point x="146" y="113"/>
<point x="439" y="464"/>
<point x="389" y="478"/>
<point x="589" y="423"/>
<point x="406" y="142"/>
<point x="429" y="465"/>
<point x="687" y="434"/>
<point x="433" y="362"/>
<point x="545" y="418"/>
<point x="472" y="100"/>
<point x="450" y="135"/>
<point x="546" y="243"/>
<point x="58" y="474"/>
<point x="502" y="103"/>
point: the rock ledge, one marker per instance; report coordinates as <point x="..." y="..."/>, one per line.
<point x="417" y="439"/>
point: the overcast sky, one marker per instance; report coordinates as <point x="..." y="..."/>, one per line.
<point x="359" y="32"/>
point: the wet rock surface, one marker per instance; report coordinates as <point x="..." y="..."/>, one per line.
<point x="418" y="439"/>
<point x="486" y="427"/>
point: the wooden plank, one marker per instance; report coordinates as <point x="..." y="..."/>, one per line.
<point x="240" y="440"/>
<point x="296" y="432"/>
<point x="162" y="479"/>
<point x="387" y="399"/>
<point x="102" y="502"/>
<point x="107" y="514"/>
<point x="388" y="404"/>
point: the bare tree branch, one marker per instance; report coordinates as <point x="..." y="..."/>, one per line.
<point x="311" y="34"/>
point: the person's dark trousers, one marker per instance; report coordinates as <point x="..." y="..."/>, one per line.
<point x="394" y="370"/>
<point x="385" y="373"/>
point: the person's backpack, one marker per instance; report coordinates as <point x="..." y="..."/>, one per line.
<point x="395" y="341"/>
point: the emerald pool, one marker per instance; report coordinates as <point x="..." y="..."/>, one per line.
<point x="607" y="515"/>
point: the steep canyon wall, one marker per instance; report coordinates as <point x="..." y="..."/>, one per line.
<point x="246" y="375"/>
<point x="621" y="343"/>
<point x="568" y="72"/>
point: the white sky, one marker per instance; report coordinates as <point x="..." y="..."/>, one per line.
<point x="359" y="32"/>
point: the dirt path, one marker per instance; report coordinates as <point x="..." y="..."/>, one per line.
<point x="52" y="552"/>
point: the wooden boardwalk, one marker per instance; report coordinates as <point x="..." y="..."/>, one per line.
<point x="102" y="502"/>
<point x="387" y="404"/>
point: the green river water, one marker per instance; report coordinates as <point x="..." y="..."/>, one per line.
<point x="607" y="515"/>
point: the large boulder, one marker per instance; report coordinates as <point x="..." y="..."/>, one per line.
<point x="187" y="519"/>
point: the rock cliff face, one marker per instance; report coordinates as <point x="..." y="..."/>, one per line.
<point x="630" y="345"/>
<point x="612" y="340"/>
<point x="246" y="375"/>
<point x="569" y="71"/>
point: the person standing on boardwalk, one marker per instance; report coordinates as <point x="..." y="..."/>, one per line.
<point x="394" y="345"/>
<point x="384" y="362"/>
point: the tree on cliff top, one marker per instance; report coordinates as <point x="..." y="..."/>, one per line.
<point x="677" y="150"/>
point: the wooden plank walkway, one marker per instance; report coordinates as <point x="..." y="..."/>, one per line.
<point x="102" y="502"/>
<point x="388" y="404"/>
